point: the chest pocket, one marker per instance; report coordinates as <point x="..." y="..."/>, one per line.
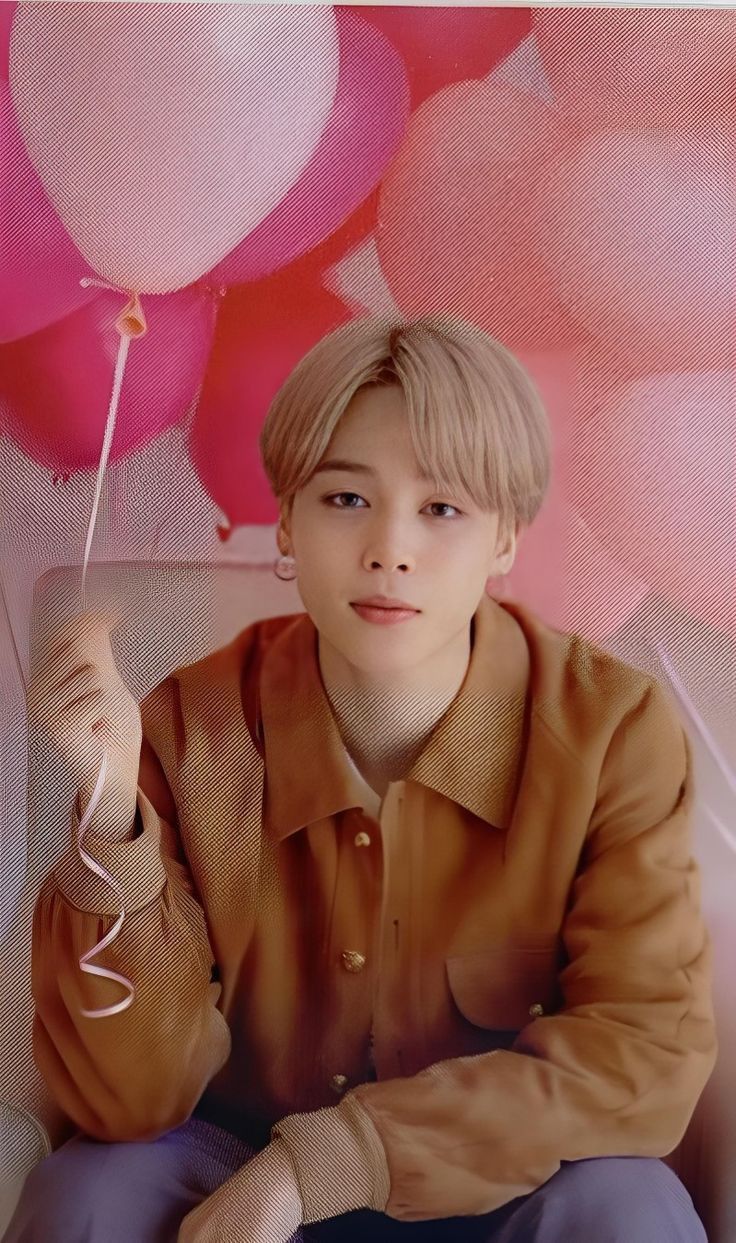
<point x="504" y="988"/>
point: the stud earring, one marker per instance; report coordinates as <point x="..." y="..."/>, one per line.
<point x="284" y="567"/>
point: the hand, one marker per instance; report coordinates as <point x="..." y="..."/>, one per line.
<point x="78" y="700"/>
<point x="260" y="1203"/>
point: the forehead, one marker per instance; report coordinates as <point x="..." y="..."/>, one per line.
<point x="374" y="402"/>
<point x="373" y="439"/>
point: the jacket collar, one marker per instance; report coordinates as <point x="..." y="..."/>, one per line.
<point x="472" y="757"/>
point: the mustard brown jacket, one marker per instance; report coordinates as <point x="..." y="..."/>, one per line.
<point x="432" y="999"/>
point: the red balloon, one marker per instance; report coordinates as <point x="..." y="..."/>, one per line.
<point x="309" y="269"/>
<point x="455" y="231"/>
<point x="262" y="332"/>
<point x="620" y="66"/>
<point x="443" y="44"/>
<point x="55" y="385"/>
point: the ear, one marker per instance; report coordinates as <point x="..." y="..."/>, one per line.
<point x="283" y="530"/>
<point x="506" y="552"/>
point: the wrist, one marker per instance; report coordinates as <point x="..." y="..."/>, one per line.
<point x="115" y="815"/>
<point x="280" y="1158"/>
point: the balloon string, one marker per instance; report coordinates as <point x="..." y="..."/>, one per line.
<point x="130" y="323"/>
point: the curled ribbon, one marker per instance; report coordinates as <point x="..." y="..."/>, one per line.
<point x="130" y="323"/>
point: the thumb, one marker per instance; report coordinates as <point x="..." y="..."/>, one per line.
<point x="110" y="617"/>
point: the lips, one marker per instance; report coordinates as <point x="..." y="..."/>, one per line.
<point x="385" y="603"/>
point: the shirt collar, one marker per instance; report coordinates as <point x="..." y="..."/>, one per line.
<point x="472" y="756"/>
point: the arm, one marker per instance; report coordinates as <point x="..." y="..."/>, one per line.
<point x="140" y="1072"/>
<point x="618" y="1070"/>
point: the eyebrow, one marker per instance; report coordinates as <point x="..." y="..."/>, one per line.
<point x="359" y="468"/>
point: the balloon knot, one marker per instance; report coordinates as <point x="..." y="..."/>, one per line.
<point x="224" y="530"/>
<point x="131" y="322"/>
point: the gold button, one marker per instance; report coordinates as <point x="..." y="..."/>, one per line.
<point x="352" y="960"/>
<point x="362" y="839"/>
<point x="536" y="1010"/>
<point x="338" y="1083"/>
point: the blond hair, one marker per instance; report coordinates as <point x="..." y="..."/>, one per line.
<point x="476" y="420"/>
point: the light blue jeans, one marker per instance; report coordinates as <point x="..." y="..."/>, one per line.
<point x="92" y="1192"/>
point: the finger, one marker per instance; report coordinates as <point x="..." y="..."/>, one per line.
<point x="49" y="706"/>
<point x="82" y="712"/>
<point x="82" y="680"/>
<point x="77" y="633"/>
<point x="80" y="625"/>
<point x="53" y="680"/>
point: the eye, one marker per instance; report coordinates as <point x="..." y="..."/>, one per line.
<point x="444" y="505"/>
<point x="337" y="495"/>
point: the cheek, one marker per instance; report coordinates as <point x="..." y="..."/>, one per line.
<point x="459" y="563"/>
<point x="327" y="561"/>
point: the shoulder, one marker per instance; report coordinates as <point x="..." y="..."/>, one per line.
<point x="230" y="669"/>
<point x="585" y="694"/>
<point x="236" y="658"/>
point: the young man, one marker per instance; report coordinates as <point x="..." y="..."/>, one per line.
<point x="410" y="905"/>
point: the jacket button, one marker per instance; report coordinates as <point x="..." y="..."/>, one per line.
<point x="338" y="1083"/>
<point x="536" y="1010"/>
<point x="362" y="839"/>
<point x="352" y="960"/>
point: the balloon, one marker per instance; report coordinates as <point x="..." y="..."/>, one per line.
<point x="653" y="476"/>
<point x="638" y="234"/>
<point x="7" y="12"/>
<point x="262" y="332"/>
<point x="40" y="267"/>
<point x="443" y="44"/>
<point x="623" y="66"/>
<point x="561" y="570"/>
<point x="55" y="385"/>
<point x="369" y="117"/>
<point x="454" y="231"/>
<point x="165" y="133"/>
<point x="357" y="229"/>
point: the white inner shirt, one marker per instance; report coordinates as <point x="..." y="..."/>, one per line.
<point x="372" y="800"/>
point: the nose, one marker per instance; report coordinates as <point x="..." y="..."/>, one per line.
<point x="388" y="551"/>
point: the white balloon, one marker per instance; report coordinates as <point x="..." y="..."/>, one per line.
<point x="165" y="133"/>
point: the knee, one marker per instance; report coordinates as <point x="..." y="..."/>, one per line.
<point x="53" y="1201"/>
<point x="623" y="1198"/>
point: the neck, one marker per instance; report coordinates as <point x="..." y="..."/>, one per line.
<point x="385" y="724"/>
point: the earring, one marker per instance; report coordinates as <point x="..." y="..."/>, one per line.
<point x="284" y="567"/>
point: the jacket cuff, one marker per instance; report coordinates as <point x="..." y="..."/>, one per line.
<point x="339" y="1159"/>
<point x="134" y="863"/>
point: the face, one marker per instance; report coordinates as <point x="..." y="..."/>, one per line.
<point x="378" y="528"/>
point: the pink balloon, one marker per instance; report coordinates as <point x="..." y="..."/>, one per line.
<point x="637" y="230"/>
<point x="40" y="267"/>
<point x="561" y="570"/>
<point x="55" y="385"/>
<point x="165" y="133"/>
<point x="654" y="479"/>
<point x="7" y="12"/>
<point x="454" y="230"/>
<point x="361" y="136"/>
<point x="624" y="66"/>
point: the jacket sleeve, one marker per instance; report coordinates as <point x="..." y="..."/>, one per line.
<point x="617" y="1070"/>
<point x="140" y="1072"/>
